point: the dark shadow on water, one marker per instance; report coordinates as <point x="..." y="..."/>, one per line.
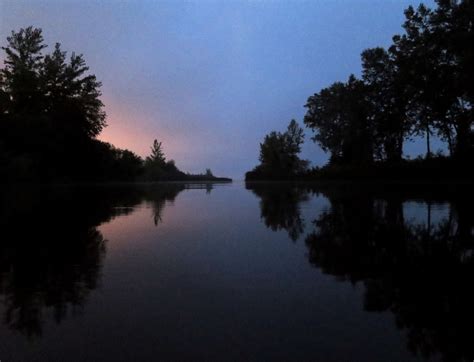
<point x="420" y="269"/>
<point x="51" y="251"/>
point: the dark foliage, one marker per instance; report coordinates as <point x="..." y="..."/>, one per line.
<point x="50" y="114"/>
<point x="279" y="155"/>
<point x="435" y="169"/>
<point x="421" y="85"/>
<point x="157" y="168"/>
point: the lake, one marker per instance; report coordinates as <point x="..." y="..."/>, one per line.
<point x="236" y="272"/>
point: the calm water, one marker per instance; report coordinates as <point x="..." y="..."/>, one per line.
<point x="236" y="272"/>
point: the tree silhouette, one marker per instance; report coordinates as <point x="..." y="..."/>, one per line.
<point x="387" y="102"/>
<point x="50" y="114"/>
<point x="157" y="156"/>
<point x="209" y="172"/>
<point x="435" y="48"/>
<point x="21" y="74"/>
<point x="156" y="168"/>
<point x="339" y="115"/>
<point x="420" y="86"/>
<point x="279" y="154"/>
<point x="69" y="92"/>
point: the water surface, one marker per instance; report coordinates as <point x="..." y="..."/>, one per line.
<point x="236" y="272"/>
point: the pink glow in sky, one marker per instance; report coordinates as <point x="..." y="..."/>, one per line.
<point x="210" y="78"/>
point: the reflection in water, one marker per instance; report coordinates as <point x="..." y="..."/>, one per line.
<point x="51" y="252"/>
<point x="167" y="192"/>
<point x="410" y="256"/>
<point x="280" y="207"/>
<point x="420" y="271"/>
<point x="158" y="197"/>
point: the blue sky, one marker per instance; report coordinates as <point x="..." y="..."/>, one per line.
<point x="211" y="78"/>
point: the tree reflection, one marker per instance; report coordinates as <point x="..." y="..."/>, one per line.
<point x="418" y="268"/>
<point x="158" y="197"/>
<point x="420" y="271"/>
<point x="51" y="251"/>
<point x="280" y="206"/>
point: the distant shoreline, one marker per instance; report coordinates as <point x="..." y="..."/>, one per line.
<point x="217" y="180"/>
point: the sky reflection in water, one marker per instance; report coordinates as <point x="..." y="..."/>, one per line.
<point x="263" y="271"/>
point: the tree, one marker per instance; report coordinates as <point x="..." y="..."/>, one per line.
<point x="209" y="173"/>
<point x="157" y="156"/>
<point x="50" y="112"/>
<point x="126" y="164"/>
<point x="4" y="97"/>
<point x="21" y="74"/>
<point x="421" y="85"/>
<point x="436" y="54"/>
<point x="339" y="115"/>
<point x="453" y="34"/>
<point x="279" y="154"/>
<point x="4" y="101"/>
<point x="156" y="167"/>
<point x="272" y="151"/>
<point x="279" y="151"/>
<point x="325" y="118"/>
<point x="71" y="93"/>
<point x="294" y="138"/>
<point x="417" y="61"/>
<point x="387" y="102"/>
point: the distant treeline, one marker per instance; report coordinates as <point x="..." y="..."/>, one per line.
<point x="422" y="85"/>
<point x="50" y="116"/>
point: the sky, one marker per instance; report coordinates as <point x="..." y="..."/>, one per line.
<point x="210" y="78"/>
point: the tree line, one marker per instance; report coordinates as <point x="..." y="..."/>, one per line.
<point x="50" y="116"/>
<point x="421" y="85"/>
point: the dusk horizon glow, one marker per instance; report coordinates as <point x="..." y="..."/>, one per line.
<point x="210" y="79"/>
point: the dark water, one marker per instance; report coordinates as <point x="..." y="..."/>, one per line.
<point x="229" y="272"/>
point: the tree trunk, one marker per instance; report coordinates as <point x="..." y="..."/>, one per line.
<point x="428" y="147"/>
<point x="450" y="144"/>
<point x="429" y="219"/>
<point x="400" y="147"/>
<point x="462" y="138"/>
